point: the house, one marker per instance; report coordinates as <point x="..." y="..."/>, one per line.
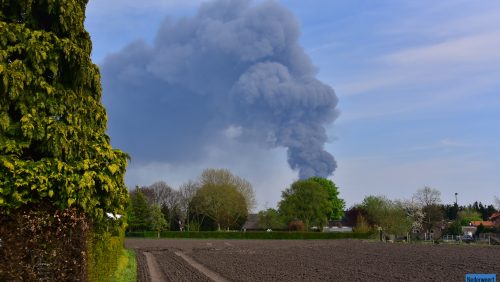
<point x="434" y="233"/>
<point x="495" y="217"/>
<point x="487" y="224"/>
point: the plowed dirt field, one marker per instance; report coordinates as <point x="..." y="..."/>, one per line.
<point x="314" y="260"/>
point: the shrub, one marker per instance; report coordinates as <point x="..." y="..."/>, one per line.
<point x="362" y="225"/>
<point x="296" y="225"/>
<point x="455" y="228"/>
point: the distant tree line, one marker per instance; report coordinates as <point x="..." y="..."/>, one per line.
<point x="220" y="200"/>
<point x="422" y="213"/>
<point x="217" y="200"/>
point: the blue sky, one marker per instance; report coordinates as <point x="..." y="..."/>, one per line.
<point x="418" y="87"/>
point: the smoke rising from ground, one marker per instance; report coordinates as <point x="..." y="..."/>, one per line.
<point x="235" y="70"/>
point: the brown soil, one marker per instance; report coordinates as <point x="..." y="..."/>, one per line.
<point x="319" y="260"/>
<point x="142" y="267"/>
<point x="171" y="266"/>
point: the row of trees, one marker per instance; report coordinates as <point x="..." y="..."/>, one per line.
<point x="220" y="200"/>
<point x="217" y="200"/>
<point x="423" y="213"/>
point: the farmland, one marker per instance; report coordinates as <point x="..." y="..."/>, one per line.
<point x="308" y="260"/>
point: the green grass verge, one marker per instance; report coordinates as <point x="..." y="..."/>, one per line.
<point x="127" y="267"/>
<point x="276" y="235"/>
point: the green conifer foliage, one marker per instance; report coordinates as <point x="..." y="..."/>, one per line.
<point x="53" y="145"/>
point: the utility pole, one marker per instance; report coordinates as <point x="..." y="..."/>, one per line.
<point x="456" y="199"/>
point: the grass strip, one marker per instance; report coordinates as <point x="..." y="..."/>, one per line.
<point x="127" y="267"/>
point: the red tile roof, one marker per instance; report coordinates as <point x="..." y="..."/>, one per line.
<point x="495" y="215"/>
<point x="485" y="223"/>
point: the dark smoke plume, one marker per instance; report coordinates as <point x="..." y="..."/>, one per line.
<point x="236" y="68"/>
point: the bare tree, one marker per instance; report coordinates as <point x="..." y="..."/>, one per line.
<point x="429" y="199"/>
<point x="161" y="191"/>
<point x="187" y="191"/>
<point x="166" y="198"/>
<point x="497" y="203"/>
<point x="427" y="196"/>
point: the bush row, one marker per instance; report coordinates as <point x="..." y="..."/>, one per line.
<point x="277" y="235"/>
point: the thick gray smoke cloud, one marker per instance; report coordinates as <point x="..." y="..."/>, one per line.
<point x="236" y="70"/>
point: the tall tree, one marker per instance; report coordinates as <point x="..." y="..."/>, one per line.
<point x="490" y="210"/>
<point x="451" y="211"/>
<point x="138" y="212"/>
<point x="168" y="199"/>
<point x="222" y="203"/>
<point x="148" y="193"/>
<point x="187" y="192"/>
<point x="157" y="220"/>
<point x="394" y="217"/>
<point x="427" y="196"/>
<point x="162" y="193"/>
<point x="306" y="200"/>
<point x="53" y="142"/>
<point x="374" y="207"/>
<point x="429" y="199"/>
<point x="212" y="176"/>
<point x="337" y="204"/>
<point x="270" y="218"/>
